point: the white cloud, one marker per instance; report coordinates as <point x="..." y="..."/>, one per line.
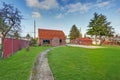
<point x="82" y="8"/>
<point x="78" y="7"/>
<point x="36" y="15"/>
<point x="59" y="16"/>
<point x="44" y="4"/>
<point x="32" y="3"/>
<point x="103" y="4"/>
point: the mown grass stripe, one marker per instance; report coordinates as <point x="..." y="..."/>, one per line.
<point x="19" y="65"/>
<point x="75" y="63"/>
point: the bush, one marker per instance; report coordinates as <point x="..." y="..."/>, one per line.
<point x="27" y="48"/>
<point x="118" y="43"/>
<point x="33" y="42"/>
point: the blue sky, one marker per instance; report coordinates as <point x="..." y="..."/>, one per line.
<point x="62" y="14"/>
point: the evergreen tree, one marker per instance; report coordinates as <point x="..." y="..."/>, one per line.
<point x="99" y="26"/>
<point x="16" y="35"/>
<point x="28" y="36"/>
<point x="74" y="32"/>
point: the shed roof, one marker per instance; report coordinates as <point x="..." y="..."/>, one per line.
<point x="50" y="34"/>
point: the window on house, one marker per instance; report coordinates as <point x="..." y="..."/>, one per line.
<point x="46" y="41"/>
<point x="60" y="41"/>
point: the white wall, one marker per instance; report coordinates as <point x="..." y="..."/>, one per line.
<point x="67" y="40"/>
<point x="0" y="40"/>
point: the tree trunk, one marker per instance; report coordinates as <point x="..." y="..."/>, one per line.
<point x="2" y="47"/>
<point x="101" y="40"/>
<point x="95" y="39"/>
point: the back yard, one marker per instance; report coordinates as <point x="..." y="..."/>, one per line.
<point x="75" y="63"/>
<point x="19" y="66"/>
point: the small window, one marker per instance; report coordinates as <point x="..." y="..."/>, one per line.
<point x="60" y="41"/>
<point x="46" y="41"/>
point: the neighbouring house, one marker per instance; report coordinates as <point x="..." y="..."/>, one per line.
<point x="82" y="41"/>
<point x="95" y="41"/>
<point x="51" y="37"/>
<point x="112" y="41"/>
<point x="67" y="40"/>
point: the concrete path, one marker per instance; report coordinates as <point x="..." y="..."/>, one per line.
<point x="41" y="69"/>
<point x="84" y="46"/>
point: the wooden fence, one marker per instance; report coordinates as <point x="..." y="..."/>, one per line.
<point x="13" y="45"/>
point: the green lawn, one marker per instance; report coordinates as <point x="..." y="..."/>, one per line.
<point x="74" y="63"/>
<point x="19" y="66"/>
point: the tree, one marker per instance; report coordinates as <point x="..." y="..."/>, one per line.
<point x="99" y="26"/>
<point x="16" y="35"/>
<point x="28" y="36"/>
<point x="80" y="35"/>
<point x="74" y="32"/>
<point x="33" y="42"/>
<point x="10" y="20"/>
<point x="29" y="42"/>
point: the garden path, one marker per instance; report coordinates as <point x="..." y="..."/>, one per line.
<point x="85" y="46"/>
<point x="41" y="69"/>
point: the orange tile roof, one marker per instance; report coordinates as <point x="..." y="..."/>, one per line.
<point x="50" y="34"/>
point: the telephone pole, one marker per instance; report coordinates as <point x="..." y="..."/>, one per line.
<point x="34" y="29"/>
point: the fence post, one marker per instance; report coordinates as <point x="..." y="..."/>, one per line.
<point x="2" y="48"/>
<point x="12" y="45"/>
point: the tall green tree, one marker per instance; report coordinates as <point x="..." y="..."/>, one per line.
<point x="10" y="20"/>
<point x="17" y="35"/>
<point x="100" y="27"/>
<point x="74" y="32"/>
<point x="28" y="36"/>
<point x="33" y="42"/>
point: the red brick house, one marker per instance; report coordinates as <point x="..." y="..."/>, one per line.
<point x="51" y="37"/>
<point x="82" y="41"/>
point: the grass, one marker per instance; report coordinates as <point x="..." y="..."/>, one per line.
<point x="19" y="65"/>
<point x="73" y="63"/>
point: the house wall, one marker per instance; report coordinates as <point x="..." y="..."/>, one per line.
<point x="0" y="40"/>
<point x="67" y="40"/>
<point x="40" y="42"/>
<point x="56" y="42"/>
<point x="63" y="42"/>
<point x="97" y="41"/>
<point x="53" y="42"/>
<point x="86" y="42"/>
<point x="81" y="41"/>
<point x="74" y="41"/>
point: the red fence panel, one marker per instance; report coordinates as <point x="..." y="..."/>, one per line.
<point x="13" y="45"/>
